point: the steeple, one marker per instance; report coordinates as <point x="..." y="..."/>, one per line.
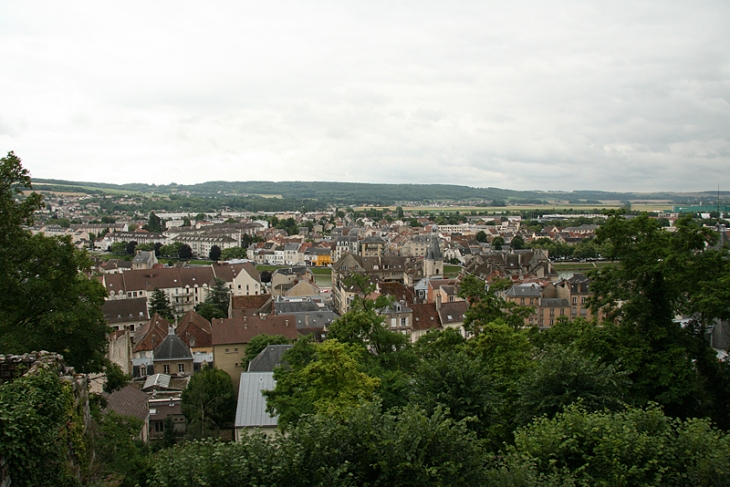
<point x="434" y="250"/>
<point x="433" y="265"/>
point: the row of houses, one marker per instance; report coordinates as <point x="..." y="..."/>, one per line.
<point x="184" y="286"/>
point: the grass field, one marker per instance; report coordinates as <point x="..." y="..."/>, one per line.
<point x="90" y="188"/>
<point x="576" y="266"/>
<point x="451" y="270"/>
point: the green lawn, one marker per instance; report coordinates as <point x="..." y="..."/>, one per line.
<point x="573" y="266"/>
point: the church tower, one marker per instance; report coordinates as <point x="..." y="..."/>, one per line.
<point x="433" y="265"/>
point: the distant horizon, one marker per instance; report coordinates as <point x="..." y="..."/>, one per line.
<point x="41" y="180"/>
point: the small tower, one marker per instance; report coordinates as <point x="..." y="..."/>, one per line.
<point x="433" y="265"/>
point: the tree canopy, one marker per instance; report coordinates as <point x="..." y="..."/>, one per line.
<point x="208" y="402"/>
<point x="47" y="302"/>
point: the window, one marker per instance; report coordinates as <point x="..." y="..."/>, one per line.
<point x="575" y="300"/>
<point x="583" y="300"/>
<point x="522" y="300"/>
<point x="166" y="369"/>
<point x="404" y="322"/>
<point x="552" y="312"/>
<point x="143" y="371"/>
<point x="159" y="426"/>
<point x="562" y="311"/>
<point x="181" y="367"/>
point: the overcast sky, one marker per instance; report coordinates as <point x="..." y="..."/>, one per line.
<point x="556" y="95"/>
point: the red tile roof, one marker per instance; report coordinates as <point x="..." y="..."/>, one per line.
<point x="242" y="329"/>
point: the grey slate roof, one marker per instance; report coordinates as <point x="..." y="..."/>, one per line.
<point x="251" y="407"/>
<point x="128" y="401"/>
<point x="268" y="359"/>
<point x="124" y="310"/>
<point x="524" y="291"/>
<point x="291" y="307"/>
<point x="172" y="348"/>
<point x="554" y="303"/>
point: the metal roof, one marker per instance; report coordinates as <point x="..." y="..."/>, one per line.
<point x="251" y="408"/>
<point x="157" y="380"/>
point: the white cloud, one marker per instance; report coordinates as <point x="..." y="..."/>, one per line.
<point x="540" y="95"/>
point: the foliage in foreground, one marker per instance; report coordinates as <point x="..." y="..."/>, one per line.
<point x="401" y="448"/>
<point x="36" y="422"/>
<point x="46" y="300"/>
<point x="208" y="402"/>
<point x="636" y="447"/>
<point x="408" y="447"/>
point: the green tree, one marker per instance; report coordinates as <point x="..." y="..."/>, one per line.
<point x="457" y="382"/>
<point x="131" y="247"/>
<point x="185" y="252"/>
<point x="35" y="419"/>
<point x="481" y="236"/>
<point x="118" y="248"/>
<point x="210" y="311"/>
<point x="154" y="224"/>
<point x="497" y="243"/>
<point x="159" y="304"/>
<point x="362" y="326"/>
<point x="565" y="375"/>
<point x="398" y="448"/>
<point x="118" y="453"/>
<point x="487" y="306"/>
<point x="517" y="242"/>
<point x="169" y="435"/>
<point x="637" y="447"/>
<point x="233" y="253"/>
<point x="208" y="402"/>
<point x="660" y="276"/>
<point x="219" y="295"/>
<point x="327" y="379"/>
<point x="115" y="377"/>
<point x="171" y="250"/>
<point x="47" y="302"/>
<point x="215" y="253"/>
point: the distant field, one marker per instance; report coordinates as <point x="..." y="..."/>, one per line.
<point x="276" y="196"/>
<point x="576" y="266"/>
<point x="57" y="193"/>
<point x="88" y="188"/>
<point x="556" y="207"/>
